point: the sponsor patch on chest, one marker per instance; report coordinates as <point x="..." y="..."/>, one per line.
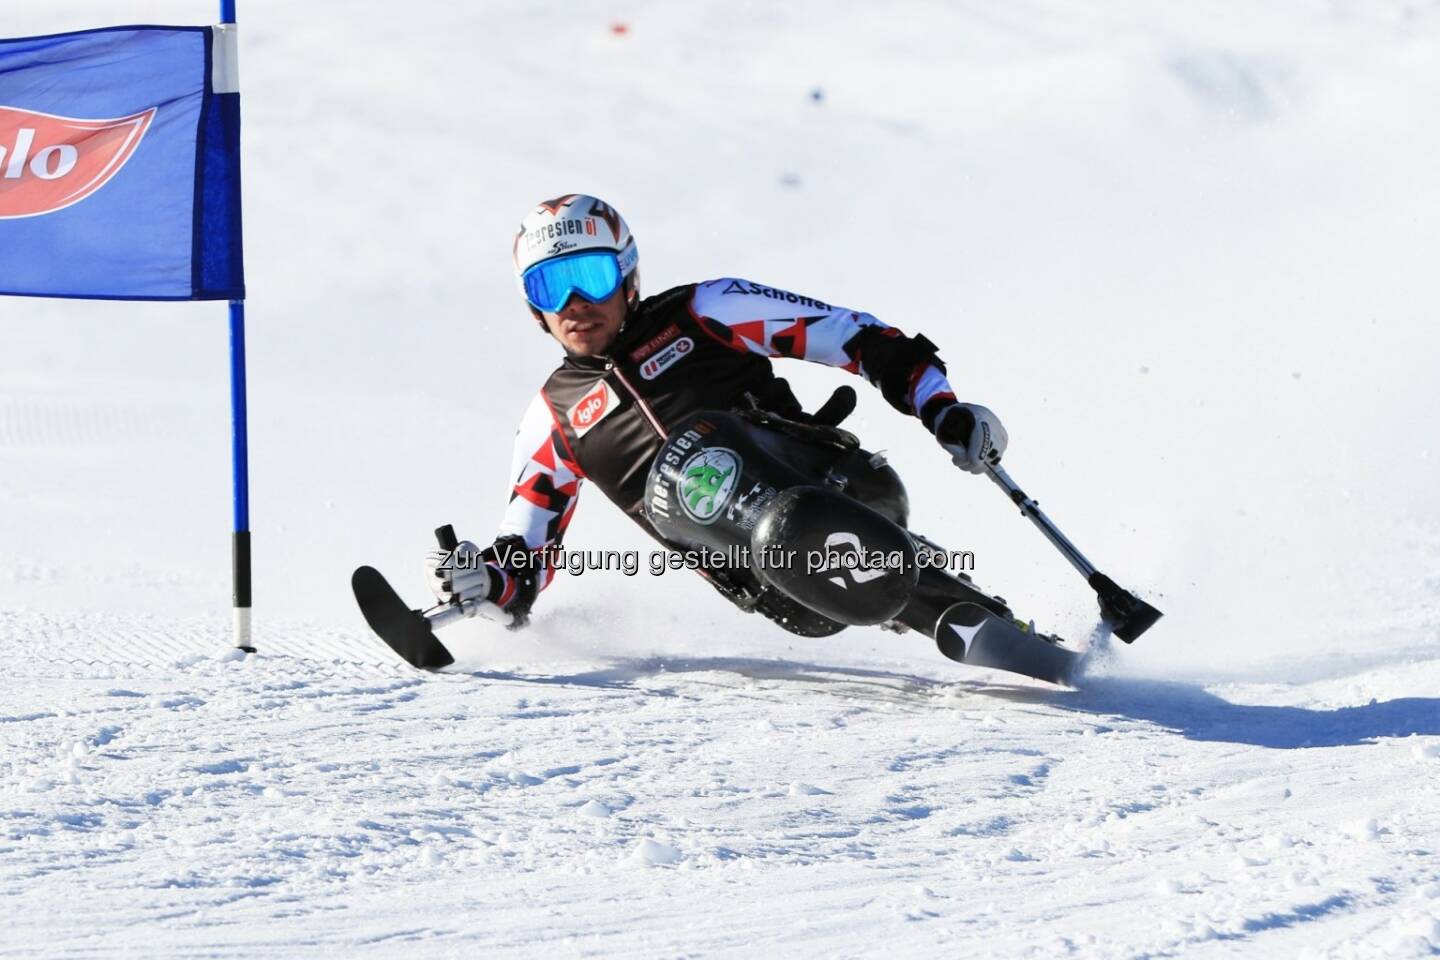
<point x="592" y="408"/>
<point x="666" y="358"/>
<point x="654" y="343"/>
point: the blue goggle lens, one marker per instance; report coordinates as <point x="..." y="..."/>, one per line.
<point x="549" y="285"/>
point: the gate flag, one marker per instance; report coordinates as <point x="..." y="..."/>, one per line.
<point x="120" y="165"/>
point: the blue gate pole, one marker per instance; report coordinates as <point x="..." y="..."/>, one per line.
<point x="240" y="460"/>
<point x="240" y="453"/>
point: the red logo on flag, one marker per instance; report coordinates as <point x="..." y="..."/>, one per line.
<point x="48" y="163"/>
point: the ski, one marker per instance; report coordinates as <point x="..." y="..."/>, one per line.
<point x="970" y="634"/>
<point x="404" y="630"/>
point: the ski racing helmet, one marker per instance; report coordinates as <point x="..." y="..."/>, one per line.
<point x="574" y="244"/>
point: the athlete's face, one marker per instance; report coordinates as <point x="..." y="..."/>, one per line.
<point x="588" y="329"/>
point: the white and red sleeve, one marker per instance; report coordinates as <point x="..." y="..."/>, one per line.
<point x="544" y="494"/>
<point x="752" y="317"/>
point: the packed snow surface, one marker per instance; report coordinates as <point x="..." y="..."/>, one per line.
<point x="1185" y="250"/>
<point x="321" y="798"/>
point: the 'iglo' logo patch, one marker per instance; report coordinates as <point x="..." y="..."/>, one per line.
<point x="592" y="408"/>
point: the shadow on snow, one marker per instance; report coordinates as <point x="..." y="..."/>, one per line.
<point x="1190" y="711"/>
<point x="622" y="674"/>
<point x="1197" y="714"/>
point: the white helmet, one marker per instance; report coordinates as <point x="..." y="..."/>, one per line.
<point x="574" y="223"/>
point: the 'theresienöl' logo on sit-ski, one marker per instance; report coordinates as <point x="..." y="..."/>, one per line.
<point x="48" y="163"/>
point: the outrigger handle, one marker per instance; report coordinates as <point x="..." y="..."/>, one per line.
<point x="1127" y="614"/>
<point x="444" y="613"/>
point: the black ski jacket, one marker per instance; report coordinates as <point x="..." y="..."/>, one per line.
<point x="694" y="347"/>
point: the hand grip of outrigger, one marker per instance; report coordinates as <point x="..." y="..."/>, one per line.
<point x="444" y="613"/>
<point x="1127" y="614"/>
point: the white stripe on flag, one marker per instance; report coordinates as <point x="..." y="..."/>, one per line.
<point x="225" y="59"/>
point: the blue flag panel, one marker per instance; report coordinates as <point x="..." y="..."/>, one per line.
<point x="119" y="167"/>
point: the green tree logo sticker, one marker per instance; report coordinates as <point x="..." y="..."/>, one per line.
<point x="706" y="482"/>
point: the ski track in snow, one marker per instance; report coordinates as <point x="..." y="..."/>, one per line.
<point x="336" y="801"/>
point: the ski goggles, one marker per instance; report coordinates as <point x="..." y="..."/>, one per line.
<point x="594" y="274"/>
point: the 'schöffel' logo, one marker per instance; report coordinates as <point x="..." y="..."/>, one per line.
<point x="591" y="409"/>
<point x="666" y="358"/>
<point x="706" y="481"/>
<point x="48" y="163"/>
<point x="746" y="288"/>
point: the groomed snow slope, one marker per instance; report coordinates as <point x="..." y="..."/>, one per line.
<point x="1187" y="253"/>
<point x="700" y="806"/>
